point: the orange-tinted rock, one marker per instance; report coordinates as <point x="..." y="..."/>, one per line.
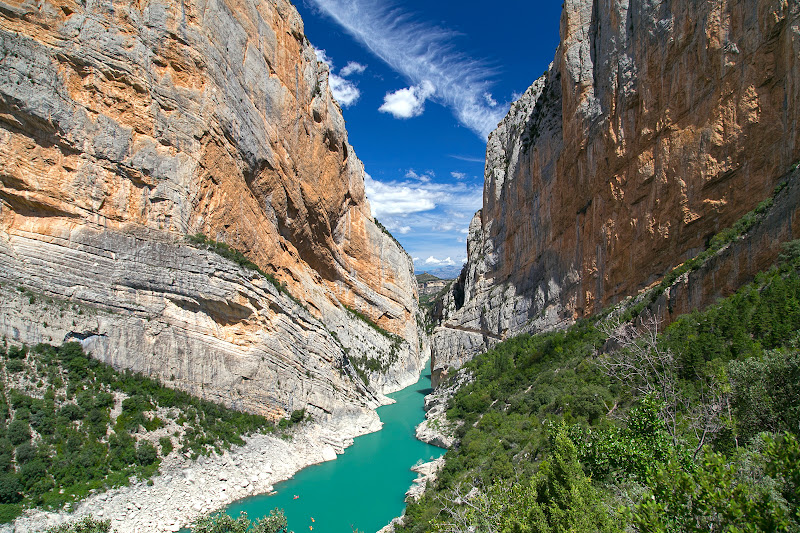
<point x="657" y="125"/>
<point x="209" y="116"/>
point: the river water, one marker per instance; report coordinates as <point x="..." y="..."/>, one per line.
<point x="365" y="487"/>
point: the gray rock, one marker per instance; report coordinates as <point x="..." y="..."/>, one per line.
<point x="655" y="127"/>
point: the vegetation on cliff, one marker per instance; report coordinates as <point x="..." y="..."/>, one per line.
<point x="613" y="424"/>
<point x="232" y="254"/>
<point x="70" y="424"/>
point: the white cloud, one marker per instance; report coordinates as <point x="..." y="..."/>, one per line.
<point x="397" y="198"/>
<point x="408" y="102"/>
<point x="322" y="57"/>
<point x="352" y="68"/>
<point x="408" y="197"/>
<point x="458" y="175"/>
<point x="344" y="91"/>
<point x="395" y="227"/>
<point x="422" y="52"/>
<point x="489" y="99"/>
<point x="425" y="177"/>
<point x="439" y="262"/>
<point x="428" y="217"/>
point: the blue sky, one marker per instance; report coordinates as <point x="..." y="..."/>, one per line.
<point x="421" y="84"/>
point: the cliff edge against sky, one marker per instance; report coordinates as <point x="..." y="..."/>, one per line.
<point x="127" y="126"/>
<point x="656" y="126"/>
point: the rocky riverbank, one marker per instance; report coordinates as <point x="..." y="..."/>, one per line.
<point x="187" y="489"/>
<point x="436" y="429"/>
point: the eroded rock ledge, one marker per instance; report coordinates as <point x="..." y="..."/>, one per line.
<point x="124" y="127"/>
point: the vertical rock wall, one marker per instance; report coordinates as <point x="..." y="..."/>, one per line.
<point x="657" y="125"/>
<point x="127" y="125"/>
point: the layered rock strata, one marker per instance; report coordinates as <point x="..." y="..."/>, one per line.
<point x="125" y="127"/>
<point x="656" y="126"/>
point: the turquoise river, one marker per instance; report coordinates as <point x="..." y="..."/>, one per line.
<point x="365" y="487"/>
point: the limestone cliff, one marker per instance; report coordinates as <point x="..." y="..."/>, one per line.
<point x="126" y="126"/>
<point x="657" y="125"/>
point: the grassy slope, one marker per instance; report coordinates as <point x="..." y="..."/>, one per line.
<point x="70" y="424"/>
<point x="736" y="368"/>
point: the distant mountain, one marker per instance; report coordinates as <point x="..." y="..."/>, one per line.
<point x="442" y="272"/>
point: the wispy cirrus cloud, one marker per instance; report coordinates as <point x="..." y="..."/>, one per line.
<point x="426" y="55"/>
<point x="468" y="159"/>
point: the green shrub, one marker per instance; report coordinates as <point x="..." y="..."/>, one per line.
<point x="84" y="525"/>
<point x="33" y="472"/>
<point x="275" y="522"/>
<point x="19" y="400"/>
<point x="17" y="352"/>
<point x="765" y="393"/>
<point x="297" y="416"/>
<point x="14" y="366"/>
<point x="71" y="411"/>
<point x="710" y="496"/>
<point x="166" y="445"/>
<point x="557" y="498"/>
<point x="9" y="511"/>
<point x="43" y="421"/>
<point x="26" y="452"/>
<point x="19" y="431"/>
<point x="146" y="453"/>
<point x="783" y="464"/>
<point x="10" y="488"/>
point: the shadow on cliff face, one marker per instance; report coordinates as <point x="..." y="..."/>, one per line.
<point x="458" y="288"/>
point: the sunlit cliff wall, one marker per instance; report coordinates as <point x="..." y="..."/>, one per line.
<point x="126" y="126"/>
<point x="657" y="125"/>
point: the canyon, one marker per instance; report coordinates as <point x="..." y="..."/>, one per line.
<point x="656" y="126"/>
<point x="145" y="144"/>
<point x="126" y="128"/>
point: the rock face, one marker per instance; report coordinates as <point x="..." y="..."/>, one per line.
<point x="126" y="126"/>
<point x="657" y="125"/>
<point x="436" y="429"/>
